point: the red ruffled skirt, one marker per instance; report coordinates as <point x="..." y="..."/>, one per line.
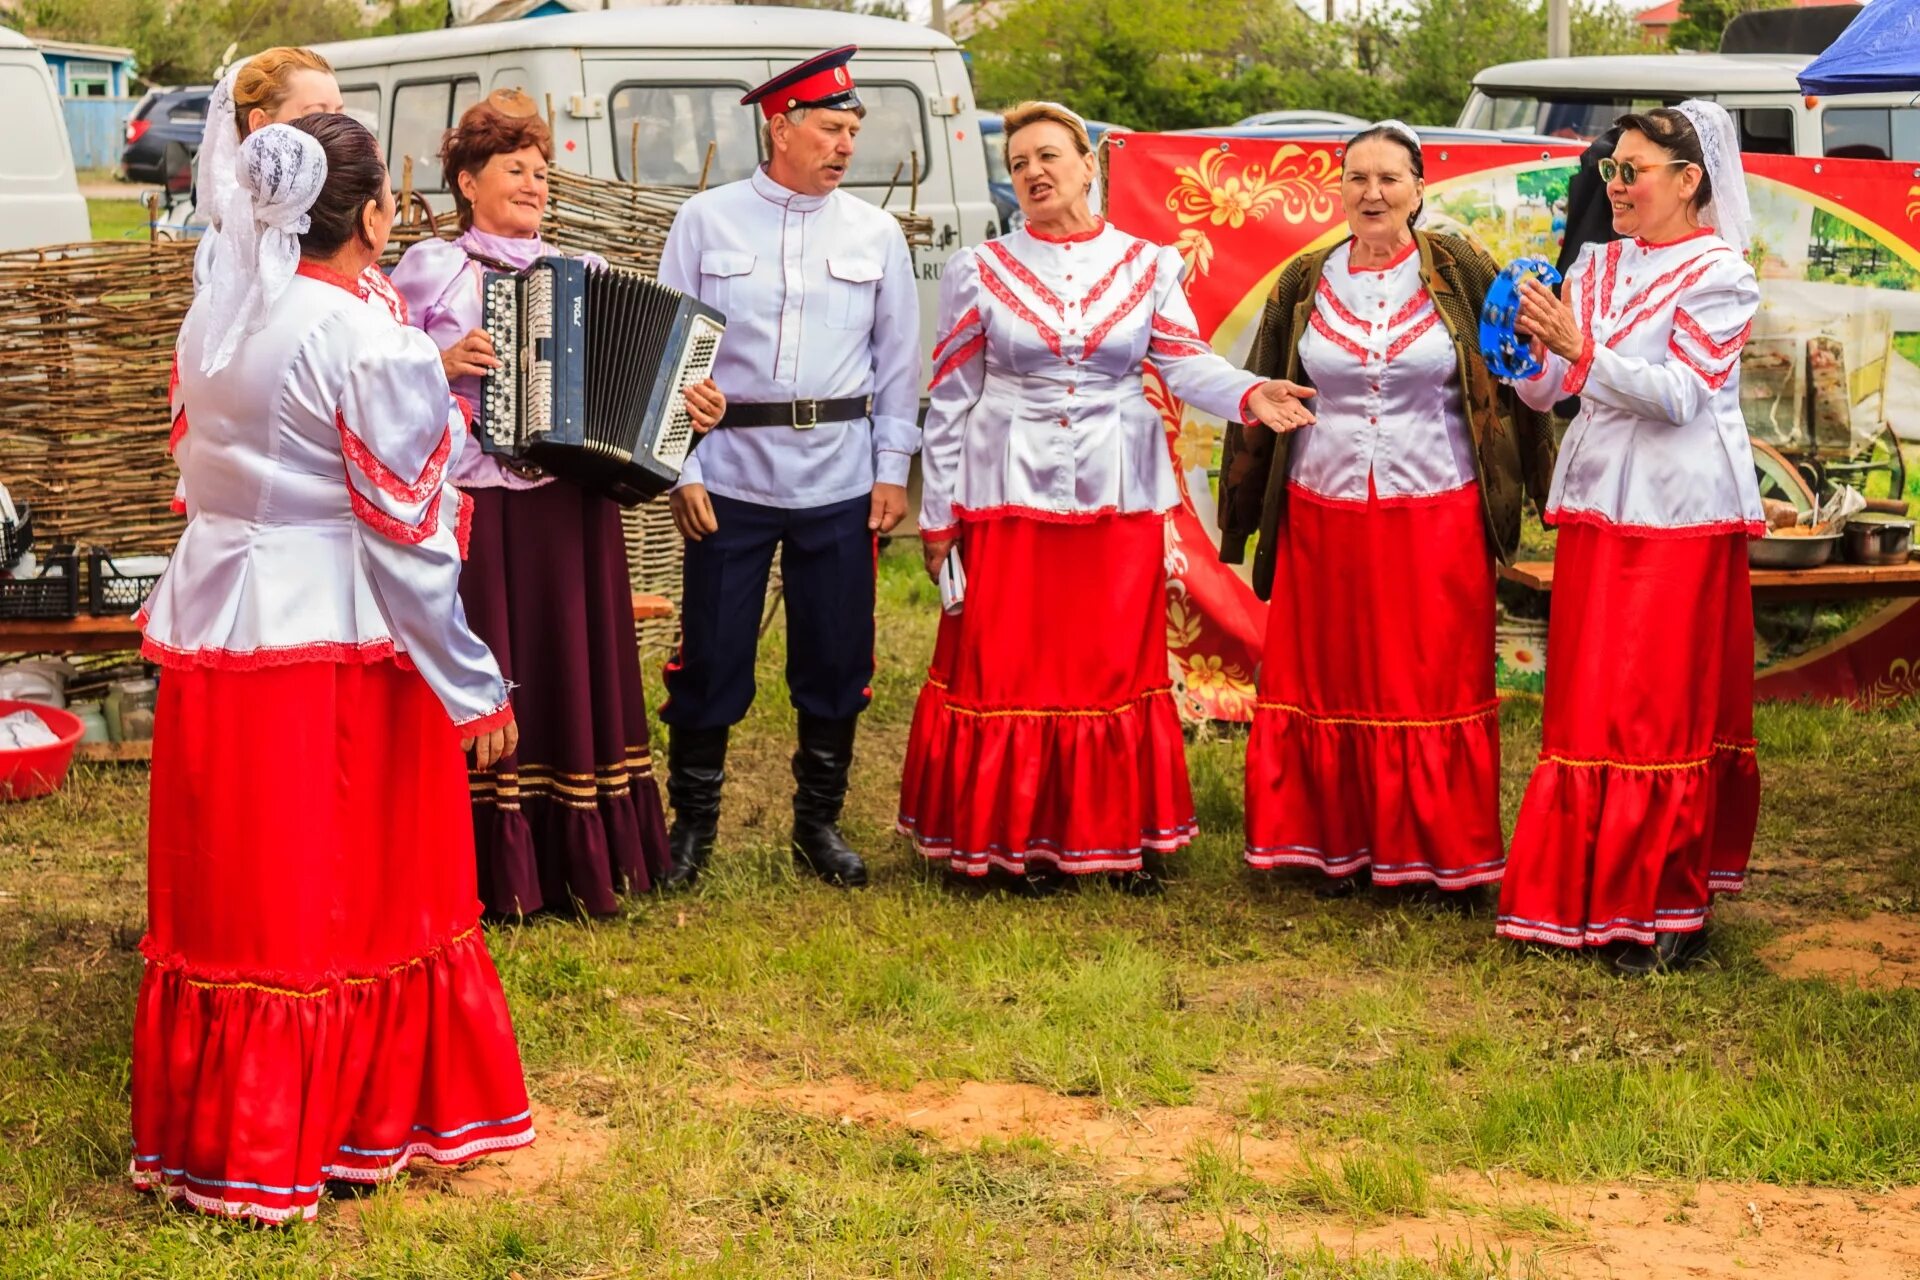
<point x="1644" y="801"/>
<point x="1376" y="739"/>
<point x="1046" y="731"/>
<point x="318" y="1001"/>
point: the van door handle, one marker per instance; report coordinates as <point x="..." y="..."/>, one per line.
<point x="948" y="234"/>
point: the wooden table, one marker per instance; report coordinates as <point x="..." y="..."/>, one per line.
<point x="1828" y="582"/>
<point x="119" y="634"/>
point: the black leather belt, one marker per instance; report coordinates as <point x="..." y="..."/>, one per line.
<point x="802" y="415"/>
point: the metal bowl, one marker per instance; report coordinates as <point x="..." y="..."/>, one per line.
<point x="1871" y="538"/>
<point x="1792" y="553"/>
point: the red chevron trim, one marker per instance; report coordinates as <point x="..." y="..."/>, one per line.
<point x="1714" y="381"/>
<point x="1106" y="281"/>
<point x="1654" y="309"/>
<point x="1717" y="350"/>
<point x="1326" y="330"/>
<point x="1411" y="336"/>
<point x="1141" y="288"/>
<point x="1024" y="274"/>
<point x="1412" y="309"/>
<point x="383" y="476"/>
<point x="966" y="322"/>
<point x="1339" y="308"/>
<point x="958" y="360"/>
<point x="1606" y="281"/>
<point x="998" y="288"/>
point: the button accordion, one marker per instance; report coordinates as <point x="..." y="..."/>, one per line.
<point x="593" y="361"/>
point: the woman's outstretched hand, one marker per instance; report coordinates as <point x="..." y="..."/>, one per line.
<point x="1280" y="405"/>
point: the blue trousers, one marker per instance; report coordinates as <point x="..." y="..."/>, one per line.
<point x="827" y="570"/>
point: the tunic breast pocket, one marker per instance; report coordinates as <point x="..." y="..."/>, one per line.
<point x="851" y="285"/>
<point x="721" y="270"/>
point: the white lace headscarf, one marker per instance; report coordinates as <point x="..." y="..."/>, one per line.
<point x="1728" y="213"/>
<point x="215" y="184"/>
<point x="280" y="173"/>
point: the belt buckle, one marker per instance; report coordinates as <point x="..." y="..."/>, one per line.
<point x="806" y="415"/>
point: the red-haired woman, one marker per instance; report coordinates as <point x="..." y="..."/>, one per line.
<point x="574" y="816"/>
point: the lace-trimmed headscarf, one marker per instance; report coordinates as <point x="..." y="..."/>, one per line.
<point x="1728" y="212"/>
<point x="280" y="173"/>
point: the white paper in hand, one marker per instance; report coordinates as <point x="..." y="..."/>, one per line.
<point x="953" y="583"/>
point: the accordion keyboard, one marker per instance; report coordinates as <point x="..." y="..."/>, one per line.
<point x="675" y="440"/>
<point x="501" y="319"/>
<point x="538" y="377"/>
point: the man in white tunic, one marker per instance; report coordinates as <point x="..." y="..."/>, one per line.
<point x="821" y="369"/>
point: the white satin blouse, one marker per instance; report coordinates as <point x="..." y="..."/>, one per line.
<point x="1659" y="442"/>
<point x="1037" y="405"/>
<point x="320" y="524"/>
<point x="1389" y="412"/>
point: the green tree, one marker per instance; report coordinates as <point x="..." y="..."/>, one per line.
<point x="408" y="16"/>
<point x="182" y="44"/>
<point x="1702" y="21"/>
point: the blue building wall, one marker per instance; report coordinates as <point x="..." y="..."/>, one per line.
<point x="96" y="130"/>
<point x="60" y="64"/>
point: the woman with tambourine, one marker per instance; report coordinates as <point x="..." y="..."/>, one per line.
<point x="574" y="816"/>
<point x="1375" y="746"/>
<point x="1644" y="801"/>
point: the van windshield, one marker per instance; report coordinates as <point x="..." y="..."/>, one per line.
<point x="1578" y="117"/>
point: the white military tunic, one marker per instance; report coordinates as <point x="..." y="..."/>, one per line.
<point x="821" y="304"/>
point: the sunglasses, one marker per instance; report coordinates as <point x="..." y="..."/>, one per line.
<point x="1629" y="172"/>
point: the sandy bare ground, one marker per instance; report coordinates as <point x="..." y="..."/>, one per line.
<point x="1627" y="1231"/>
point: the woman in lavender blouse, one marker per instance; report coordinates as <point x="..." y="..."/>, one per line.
<point x="574" y="816"/>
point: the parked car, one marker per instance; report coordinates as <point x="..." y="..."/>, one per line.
<point x="1005" y="204"/>
<point x="39" y="194"/>
<point x="1310" y="119"/>
<point x="163" y="133"/>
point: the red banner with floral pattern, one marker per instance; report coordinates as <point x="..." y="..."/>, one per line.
<point x="1837" y="245"/>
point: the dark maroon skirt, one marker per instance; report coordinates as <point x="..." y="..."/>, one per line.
<point x="573" y="818"/>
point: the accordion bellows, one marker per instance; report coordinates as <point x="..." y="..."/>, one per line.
<point x="594" y="362"/>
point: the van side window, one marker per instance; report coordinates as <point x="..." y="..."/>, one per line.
<point x="676" y="122"/>
<point x="894" y="131"/>
<point x="1871" y="133"/>
<point x="422" y="113"/>
<point x="1766" y="131"/>
<point x="362" y="102"/>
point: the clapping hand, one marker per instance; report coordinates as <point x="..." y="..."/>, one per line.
<point x="1548" y="322"/>
<point x="1278" y="404"/>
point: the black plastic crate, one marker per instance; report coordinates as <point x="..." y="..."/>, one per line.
<point x="109" y="594"/>
<point x="16" y="537"/>
<point x="45" y="597"/>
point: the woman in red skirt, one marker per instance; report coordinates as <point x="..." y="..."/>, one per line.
<point x="1046" y="738"/>
<point x="1644" y="802"/>
<point x="318" y="1005"/>
<point x="1375" y="751"/>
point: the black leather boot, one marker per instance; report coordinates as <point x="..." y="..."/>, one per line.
<point x="696" y="768"/>
<point x="820" y="769"/>
<point x="1681" y="950"/>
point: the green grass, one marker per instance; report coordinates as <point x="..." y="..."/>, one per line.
<point x="117" y="219"/>
<point x="1395" y="1044"/>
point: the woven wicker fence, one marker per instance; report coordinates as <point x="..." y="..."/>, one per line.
<point x="86" y="348"/>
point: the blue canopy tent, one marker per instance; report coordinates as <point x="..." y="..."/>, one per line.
<point x="1879" y="52"/>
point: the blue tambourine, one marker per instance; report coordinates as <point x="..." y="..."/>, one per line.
<point x="1507" y="353"/>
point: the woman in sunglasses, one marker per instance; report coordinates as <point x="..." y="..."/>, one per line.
<point x="1644" y="800"/>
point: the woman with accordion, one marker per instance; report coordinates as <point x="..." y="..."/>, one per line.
<point x="574" y="816"/>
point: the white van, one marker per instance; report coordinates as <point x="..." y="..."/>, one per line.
<point x="39" y="196"/>
<point x="641" y="94"/>
<point x="1578" y="98"/>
